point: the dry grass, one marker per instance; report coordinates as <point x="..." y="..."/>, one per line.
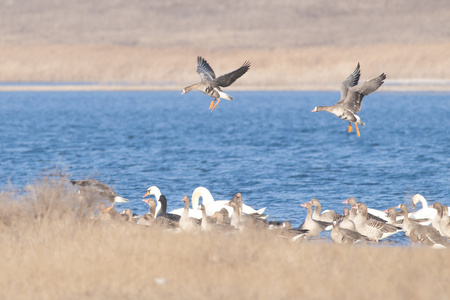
<point x="172" y="69"/>
<point x="52" y="250"/>
<point x="294" y="45"/>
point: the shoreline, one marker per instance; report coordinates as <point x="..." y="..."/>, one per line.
<point x="395" y="86"/>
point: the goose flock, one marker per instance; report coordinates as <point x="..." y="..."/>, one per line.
<point x="429" y="225"/>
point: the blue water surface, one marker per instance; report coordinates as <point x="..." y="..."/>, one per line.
<point x="266" y="145"/>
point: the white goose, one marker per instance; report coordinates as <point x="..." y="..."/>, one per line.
<point x="155" y="191"/>
<point x="211" y="205"/>
<point x="425" y="212"/>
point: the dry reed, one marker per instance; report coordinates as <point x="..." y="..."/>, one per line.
<point x="52" y="249"/>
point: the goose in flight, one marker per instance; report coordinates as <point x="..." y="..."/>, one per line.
<point x="352" y="95"/>
<point x="99" y="190"/>
<point x="210" y="85"/>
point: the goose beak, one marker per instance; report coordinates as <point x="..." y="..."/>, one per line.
<point x="146" y="194"/>
<point x="183" y="92"/>
<point x="314" y="110"/>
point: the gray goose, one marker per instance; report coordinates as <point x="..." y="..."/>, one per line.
<point x="445" y="221"/>
<point x="210" y="85"/>
<point x="352" y="95"/>
<point x="346" y="223"/>
<point x="98" y="189"/>
<point x="327" y="216"/>
<point x="187" y="223"/>
<point x="436" y="223"/>
<point x="148" y="218"/>
<point x="419" y="233"/>
<point x="373" y="229"/>
<point x="345" y="236"/>
<point x="352" y="201"/>
<point x="314" y="227"/>
<point x="442" y="221"/>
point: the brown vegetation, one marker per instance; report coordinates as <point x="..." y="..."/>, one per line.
<point x="292" y="45"/>
<point x="51" y="249"/>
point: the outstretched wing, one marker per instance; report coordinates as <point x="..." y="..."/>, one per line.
<point x="204" y="69"/>
<point x="356" y="94"/>
<point x="228" y="79"/>
<point x="351" y="81"/>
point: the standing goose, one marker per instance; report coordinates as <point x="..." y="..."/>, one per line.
<point x="425" y="211"/>
<point x="352" y="95"/>
<point x="445" y="222"/>
<point x="371" y="213"/>
<point x="373" y="229"/>
<point x="154" y="190"/>
<point x="345" y="236"/>
<point x="327" y="216"/>
<point x="98" y="189"/>
<point x="212" y="205"/>
<point x="346" y="223"/>
<point x="210" y="85"/>
<point x="314" y="227"/>
<point x="186" y="222"/>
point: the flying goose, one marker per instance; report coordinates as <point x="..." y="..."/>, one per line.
<point x="99" y="190"/>
<point x="352" y="95"/>
<point x="210" y="85"/>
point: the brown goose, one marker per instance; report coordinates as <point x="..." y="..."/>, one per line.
<point x="327" y="216"/>
<point x="373" y="229"/>
<point x="352" y="95"/>
<point x="210" y="85"/>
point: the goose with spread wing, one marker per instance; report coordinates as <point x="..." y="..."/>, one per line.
<point x="98" y="189"/>
<point x="210" y="85"/>
<point x="352" y="95"/>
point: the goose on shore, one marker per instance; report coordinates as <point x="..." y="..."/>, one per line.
<point x="373" y="229"/>
<point x="346" y="223"/>
<point x="314" y="227"/>
<point x="445" y="221"/>
<point x="425" y="212"/>
<point x="345" y="236"/>
<point x="210" y="85"/>
<point x="98" y="189"/>
<point x="326" y="216"/>
<point x="371" y="213"/>
<point x="352" y="95"/>
<point x="186" y="222"/>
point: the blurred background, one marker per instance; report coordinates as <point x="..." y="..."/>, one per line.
<point x="292" y="44"/>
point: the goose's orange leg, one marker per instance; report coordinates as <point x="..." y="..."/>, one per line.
<point x="350" y="127"/>
<point x="218" y="100"/>
<point x="212" y="103"/>
<point x="357" y="129"/>
<point x="108" y="208"/>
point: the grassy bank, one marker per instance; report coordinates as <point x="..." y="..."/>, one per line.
<point x="308" y="68"/>
<point x="51" y="249"/>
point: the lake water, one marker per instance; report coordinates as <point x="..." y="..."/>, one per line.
<point x="266" y="145"/>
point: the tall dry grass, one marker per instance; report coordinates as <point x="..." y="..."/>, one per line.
<point x="51" y="249"/>
<point x="172" y="69"/>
